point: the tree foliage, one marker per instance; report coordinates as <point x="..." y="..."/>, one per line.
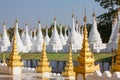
<point x="105" y="19"/>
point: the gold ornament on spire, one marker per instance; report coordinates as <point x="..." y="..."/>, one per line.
<point x="55" y="18"/>
<point x="26" y="23"/>
<point x="69" y="69"/>
<point x="4" y="23"/>
<point x="15" y="58"/>
<point x="16" y="21"/>
<point x="43" y="65"/>
<point x="93" y="13"/>
<point x="38" y="21"/>
<point x="116" y="66"/>
<point x="86" y="58"/>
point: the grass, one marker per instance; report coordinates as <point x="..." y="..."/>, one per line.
<point x="61" y="56"/>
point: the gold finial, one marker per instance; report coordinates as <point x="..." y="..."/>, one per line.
<point x="73" y="14"/>
<point x="85" y="18"/>
<point x="4" y="23"/>
<point x="44" y="63"/>
<point x="3" y="57"/>
<point x="16" y="21"/>
<point x="38" y="21"/>
<point x="93" y="13"/>
<point x="69" y="68"/>
<point x="55" y="18"/>
<point x="26" y="23"/>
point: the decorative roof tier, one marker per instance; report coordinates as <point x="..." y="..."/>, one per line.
<point x="94" y="36"/>
<point x="69" y="68"/>
<point x="43" y="65"/>
<point x="15" y="58"/>
<point x="86" y="59"/>
<point x="27" y="41"/>
<point x="39" y="39"/>
<point x="5" y="42"/>
<point x="61" y="36"/>
<point x="47" y="39"/>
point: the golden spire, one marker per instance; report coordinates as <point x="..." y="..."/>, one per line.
<point x="16" y="21"/>
<point x="4" y="23"/>
<point x="3" y="57"/>
<point x="86" y="58"/>
<point x="69" y="69"/>
<point x="116" y="66"/>
<point x="55" y="18"/>
<point x="43" y="65"/>
<point x="38" y="21"/>
<point x="26" y="23"/>
<point x="93" y="13"/>
<point x="73" y="14"/>
<point x="15" y="58"/>
<point x="85" y="18"/>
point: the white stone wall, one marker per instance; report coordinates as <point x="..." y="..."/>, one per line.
<point x="97" y="75"/>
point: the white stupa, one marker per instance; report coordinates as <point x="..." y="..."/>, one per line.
<point x="47" y="39"/>
<point x="94" y="36"/>
<point x="55" y="42"/>
<point x="95" y="41"/>
<point x="19" y="41"/>
<point x="61" y="36"/>
<point x="27" y="42"/>
<point x="39" y="39"/>
<point x="5" y="42"/>
<point x="73" y="37"/>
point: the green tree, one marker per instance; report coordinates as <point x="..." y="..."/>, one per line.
<point x="105" y="19"/>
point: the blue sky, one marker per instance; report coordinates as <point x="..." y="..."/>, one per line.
<point x="45" y="10"/>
